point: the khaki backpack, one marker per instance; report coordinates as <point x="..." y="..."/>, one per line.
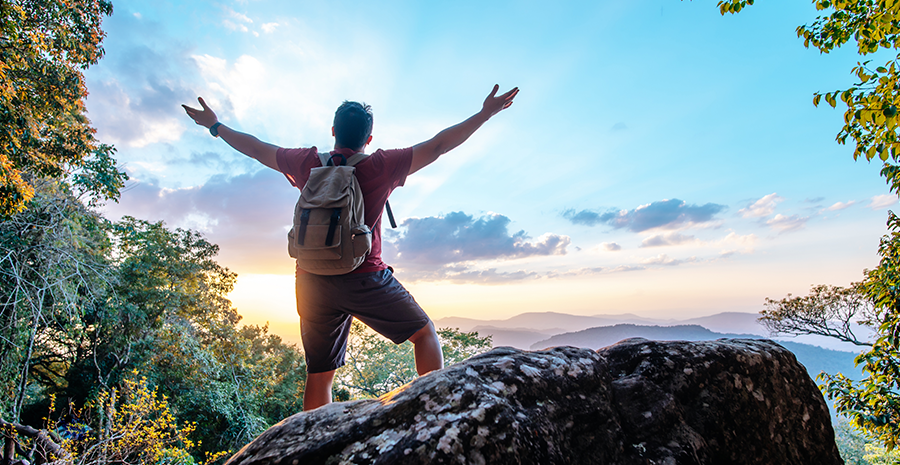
<point x="329" y="236"/>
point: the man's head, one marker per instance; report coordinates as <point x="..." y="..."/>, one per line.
<point x="352" y="125"/>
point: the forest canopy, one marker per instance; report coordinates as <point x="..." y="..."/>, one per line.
<point x="117" y="340"/>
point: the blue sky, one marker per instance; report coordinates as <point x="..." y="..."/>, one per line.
<point x="660" y="159"/>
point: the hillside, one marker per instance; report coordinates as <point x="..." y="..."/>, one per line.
<point x="815" y="359"/>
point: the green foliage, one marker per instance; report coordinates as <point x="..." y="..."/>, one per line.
<point x="857" y="449"/>
<point x="131" y="424"/>
<point x="873" y="403"/>
<point x="44" y="46"/>
<point x="733" y="6"/>
<point x="83" y="302"/>
<point x="870" y="120"/>
<point x="870" y="124"/>
<point x="53" y="269"/>
<point x="376" y="366"/>
<point x="458" y="345"/>
<point x="851" y="443"/>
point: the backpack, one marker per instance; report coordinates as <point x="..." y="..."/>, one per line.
<point x="329" y="235"/>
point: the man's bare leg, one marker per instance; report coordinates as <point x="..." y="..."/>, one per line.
<point x="429" y="356"/>
<point x="318" y="390"/>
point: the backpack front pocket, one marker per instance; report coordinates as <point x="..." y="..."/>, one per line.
<point x="314" y="242"/>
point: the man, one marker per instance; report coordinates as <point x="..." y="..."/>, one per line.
<point x="327" y="304"/>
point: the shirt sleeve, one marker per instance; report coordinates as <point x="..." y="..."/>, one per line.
<point x="295" y="164"/>
<point x="398" y="162"/>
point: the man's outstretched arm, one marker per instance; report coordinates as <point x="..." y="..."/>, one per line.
<point x="427" y="152"/>
<point x="244" y="143"/>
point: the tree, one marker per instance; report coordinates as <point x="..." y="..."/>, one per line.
<point x="377" y="366"/>
<point x="84" y="302"/>
<point x="53" y="267"/>
<point x="827" y="311"/>
<point x="870" y="124"/>
<point x="44" y="46"/>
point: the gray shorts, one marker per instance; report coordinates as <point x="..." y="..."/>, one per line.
<point x="328" y="304"/>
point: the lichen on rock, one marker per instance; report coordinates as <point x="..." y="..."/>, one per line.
<point x="636" y="402"/>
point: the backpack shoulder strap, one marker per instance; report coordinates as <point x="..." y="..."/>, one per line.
<point x="323" y="157"/>
<point x="352" y="160"/>
<point x="356" y="158"/>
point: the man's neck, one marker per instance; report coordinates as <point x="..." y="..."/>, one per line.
<point x="342" y="149"/>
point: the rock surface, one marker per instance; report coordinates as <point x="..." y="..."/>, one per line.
<point x="731" y="401"/>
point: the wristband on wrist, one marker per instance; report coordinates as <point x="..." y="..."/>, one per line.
<point x="214" y="129"/>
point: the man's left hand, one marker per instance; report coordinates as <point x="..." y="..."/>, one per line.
<point x="205" y="117"/>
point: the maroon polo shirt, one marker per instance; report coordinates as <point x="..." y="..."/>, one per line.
<point x="378" y="175"/>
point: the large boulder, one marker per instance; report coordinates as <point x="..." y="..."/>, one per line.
<point x="731" y="401"/>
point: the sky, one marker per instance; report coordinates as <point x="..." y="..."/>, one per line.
<point x="660" y="159"/>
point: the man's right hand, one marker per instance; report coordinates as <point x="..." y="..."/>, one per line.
<point x="205" y="117"/>
<point x="244" y="143"/>
<point x="493" y="105"/>
<point x="427" y="152"/>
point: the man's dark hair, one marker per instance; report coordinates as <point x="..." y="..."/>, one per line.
<point x="352" y="124"/>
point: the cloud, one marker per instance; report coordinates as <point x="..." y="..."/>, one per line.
<point x="660" y="240"/>
<point x="782" y="223"/>
<point x="459" y="238"/>
<point x="464" y="275"/>
<point x="762" y="207"/>
<point x="627" y="268"/>
<point x="584" y="217"/>
<point x="662" y="214"/>
<point x="239" y="20"/>
<point x="665" y="260"/>
<point x="733" y="239"/>
<point x="610" y="246"/>
<point x="841" y="205"/>
<point x="238" y="16"/>
<point x="732" y="242"/>
<point x="235" y="27"/>
<point x="141" y="105"/>
<point x="269" y="28"/>
<point x="880" y="202"/>
<point x="136" y="90"/>
<point x="247" y="215"/>
<point x="239" y="83"/>
<point x="588" y="271"/>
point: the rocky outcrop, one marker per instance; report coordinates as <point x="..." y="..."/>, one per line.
<point x="731" y="401"/>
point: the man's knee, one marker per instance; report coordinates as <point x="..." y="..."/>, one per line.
<point x="426" y="332"/>
<point x="326" y="377"/>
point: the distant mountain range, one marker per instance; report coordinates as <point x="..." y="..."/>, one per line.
<point x="535" y="331"/>
<point x="521" y="331"/>
<point x="596" y="338"/>
<point x="815" y="359"/>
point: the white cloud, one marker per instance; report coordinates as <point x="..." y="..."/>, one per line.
<point x="783" y="223"/>
<point x="880" y="202"/>
<point x="269" y="28"/>
<point x="732" y="242"/>
<point x="762" y="207"/>
<point x="665" y="260"/>
<point x="610" y="246"/>
<point x="233" y="26"/>
<point x="136" y="117"/>
<point x="666" y="239"/>
<point x="841" y="205"/>
<point x="734" y="238"/>
<point x="239" y="16"/>
<point x="239" y="83"/>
